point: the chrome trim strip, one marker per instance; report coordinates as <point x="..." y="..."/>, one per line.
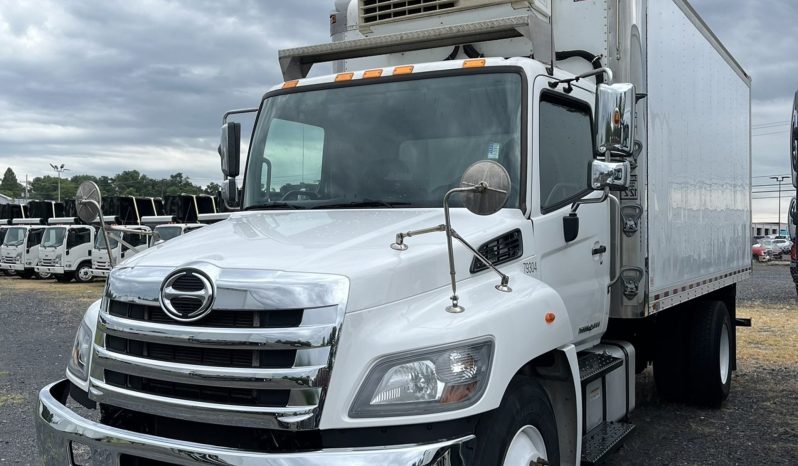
<point x="57" y="425"/>
<point x="200" y="411"/>
<point x="238" y="377"/>
<point x="236" y="338"/>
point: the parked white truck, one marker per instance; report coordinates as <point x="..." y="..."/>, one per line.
<point x="125" y="241"/>
<point x="342" y="318"/>
<point x="65" y="250"/>
<point x="19" y="250"/>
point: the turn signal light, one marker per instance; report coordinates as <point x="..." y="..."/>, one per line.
<point x="550" y="317"/>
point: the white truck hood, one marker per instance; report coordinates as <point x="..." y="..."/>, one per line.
<point x="352" y="243"/>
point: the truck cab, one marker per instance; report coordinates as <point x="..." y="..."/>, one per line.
<point x="20" y="254"/>
<point x="169" y="231"/>
<point x="449" y="251"/>
<point x="65" y="252"/>
<point x="124" y="243"/>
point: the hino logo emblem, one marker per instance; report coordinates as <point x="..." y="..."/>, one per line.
<point x="187" y="295"/>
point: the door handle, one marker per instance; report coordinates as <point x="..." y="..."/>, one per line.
<point x="599" y="250"/>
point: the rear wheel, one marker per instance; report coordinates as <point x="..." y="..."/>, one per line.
<point x="522" y="431"/>
<point x="83" y="273"/>
<point x="711" y="354"/>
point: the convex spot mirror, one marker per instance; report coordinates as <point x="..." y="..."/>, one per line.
<point x="230" y="149"/>
<point x="612" y="175"/>
<point x="88" y="201"/>
<point x="230" y="192"/>
<point x="493" y="187"/>
<point x="615" y="118"/>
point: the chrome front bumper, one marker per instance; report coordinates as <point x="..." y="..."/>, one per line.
<point x="57" y="426"/>
<point x="53" y="270"/>
<point x="96" y="273"/>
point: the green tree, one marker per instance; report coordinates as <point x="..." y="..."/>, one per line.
<point x="212" y="188"/>
<point x="9" y="185"/>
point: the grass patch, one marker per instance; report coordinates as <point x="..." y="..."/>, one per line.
<point x="11" y="398"/>
<point x="772" y="341"/>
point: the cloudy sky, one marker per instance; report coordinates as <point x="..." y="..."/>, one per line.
<point x="105" y="86"/>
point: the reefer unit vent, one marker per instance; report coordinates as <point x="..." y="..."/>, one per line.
<point x="380" y="11"/>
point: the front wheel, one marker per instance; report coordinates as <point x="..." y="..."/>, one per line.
<point x="522" y="431"/>
<point x="83" y="273"/>
<point x="44" y="275"/>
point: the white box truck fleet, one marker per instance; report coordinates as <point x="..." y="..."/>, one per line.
<point x="65" y="250"/>
<point x="596" y="154"/>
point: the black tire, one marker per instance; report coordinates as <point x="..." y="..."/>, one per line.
<point x="83" y="273"/>
<point x="708" y="363"/>
<point x="44" y="275"/>
<point x="671" y="355"/>
<point x="63" y="278"/>
<point x="27" y="274"/>
<point x="524" y="403"/>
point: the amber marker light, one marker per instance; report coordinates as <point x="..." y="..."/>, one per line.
<point x="290" y="84"/>
<point x="344" y="77"/>
<point x="403" y="70"/>
<point x="550" y="317"/>
<point x="477" y="63"/>
<point x="372" y="74"/>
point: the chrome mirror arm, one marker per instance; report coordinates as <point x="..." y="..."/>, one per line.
<point x="103" y="228"/>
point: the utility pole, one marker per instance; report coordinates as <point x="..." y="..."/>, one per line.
<point x="26" y="187"/>
<point x="779" y="179"/>
<point x="59" y="170"/>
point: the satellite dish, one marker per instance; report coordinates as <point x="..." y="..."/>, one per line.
<point x="496" y="182"/>
<point x="88" y="201"/>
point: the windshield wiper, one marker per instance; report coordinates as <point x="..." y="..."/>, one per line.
<point x="361" y="204"/>
<point x="274" y="205"/>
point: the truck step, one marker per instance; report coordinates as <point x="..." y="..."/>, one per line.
<point x="603" y="440"/>
<point x="594" y="365"/>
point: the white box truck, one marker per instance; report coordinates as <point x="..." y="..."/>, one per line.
<point x="458" y="249"/>
<point x="124" y="241"/>
<point x="65" y="250"/>
<point x="19" y="249"/>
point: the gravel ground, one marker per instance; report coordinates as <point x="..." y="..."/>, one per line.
<point x="757" y="425"/>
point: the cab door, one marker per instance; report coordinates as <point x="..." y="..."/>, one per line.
<point x="563" y="149"/>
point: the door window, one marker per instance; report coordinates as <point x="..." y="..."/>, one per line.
<point x="566" y="149"/>
<point x="76" y="237"/>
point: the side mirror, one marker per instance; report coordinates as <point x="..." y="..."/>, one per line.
<point x="792" y="219"/>
<point x="612" y="175"/>
<point x="230" y="192"/>
<point x="230" y="149"/>
<point x="615" y="119"/>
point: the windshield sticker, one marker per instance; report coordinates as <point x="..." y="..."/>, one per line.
<point x="493" y="150"/>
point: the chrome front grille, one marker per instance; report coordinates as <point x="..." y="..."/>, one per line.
<point x="10" y="260"/>
<point x="48" y="262"/>
<point x="261" y="358"/>
<point x="102" y="265"/>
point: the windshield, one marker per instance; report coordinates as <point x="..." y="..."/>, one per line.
<point x="166" y="233"/>
<point x="402" y="143"/>
<point x="14" y="237"/>
<point x="53" y="237"/>
<point x="99" y="240"/>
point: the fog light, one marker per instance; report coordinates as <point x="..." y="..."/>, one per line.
<point x="81" y="454"/>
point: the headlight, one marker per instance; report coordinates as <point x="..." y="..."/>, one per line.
<point x="79" y="360"/>
<point x="424" y="382"/>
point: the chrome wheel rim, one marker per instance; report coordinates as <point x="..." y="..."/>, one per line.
<point x="526" y="448"/>
<point x="724" y="353"/>
<point x="45" y="275"/>
<point x="84" y="273"/>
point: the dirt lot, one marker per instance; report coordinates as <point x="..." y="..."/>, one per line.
<point x="757" y="425"/>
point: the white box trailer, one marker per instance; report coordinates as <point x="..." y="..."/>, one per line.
<point x="604" y="145"/>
